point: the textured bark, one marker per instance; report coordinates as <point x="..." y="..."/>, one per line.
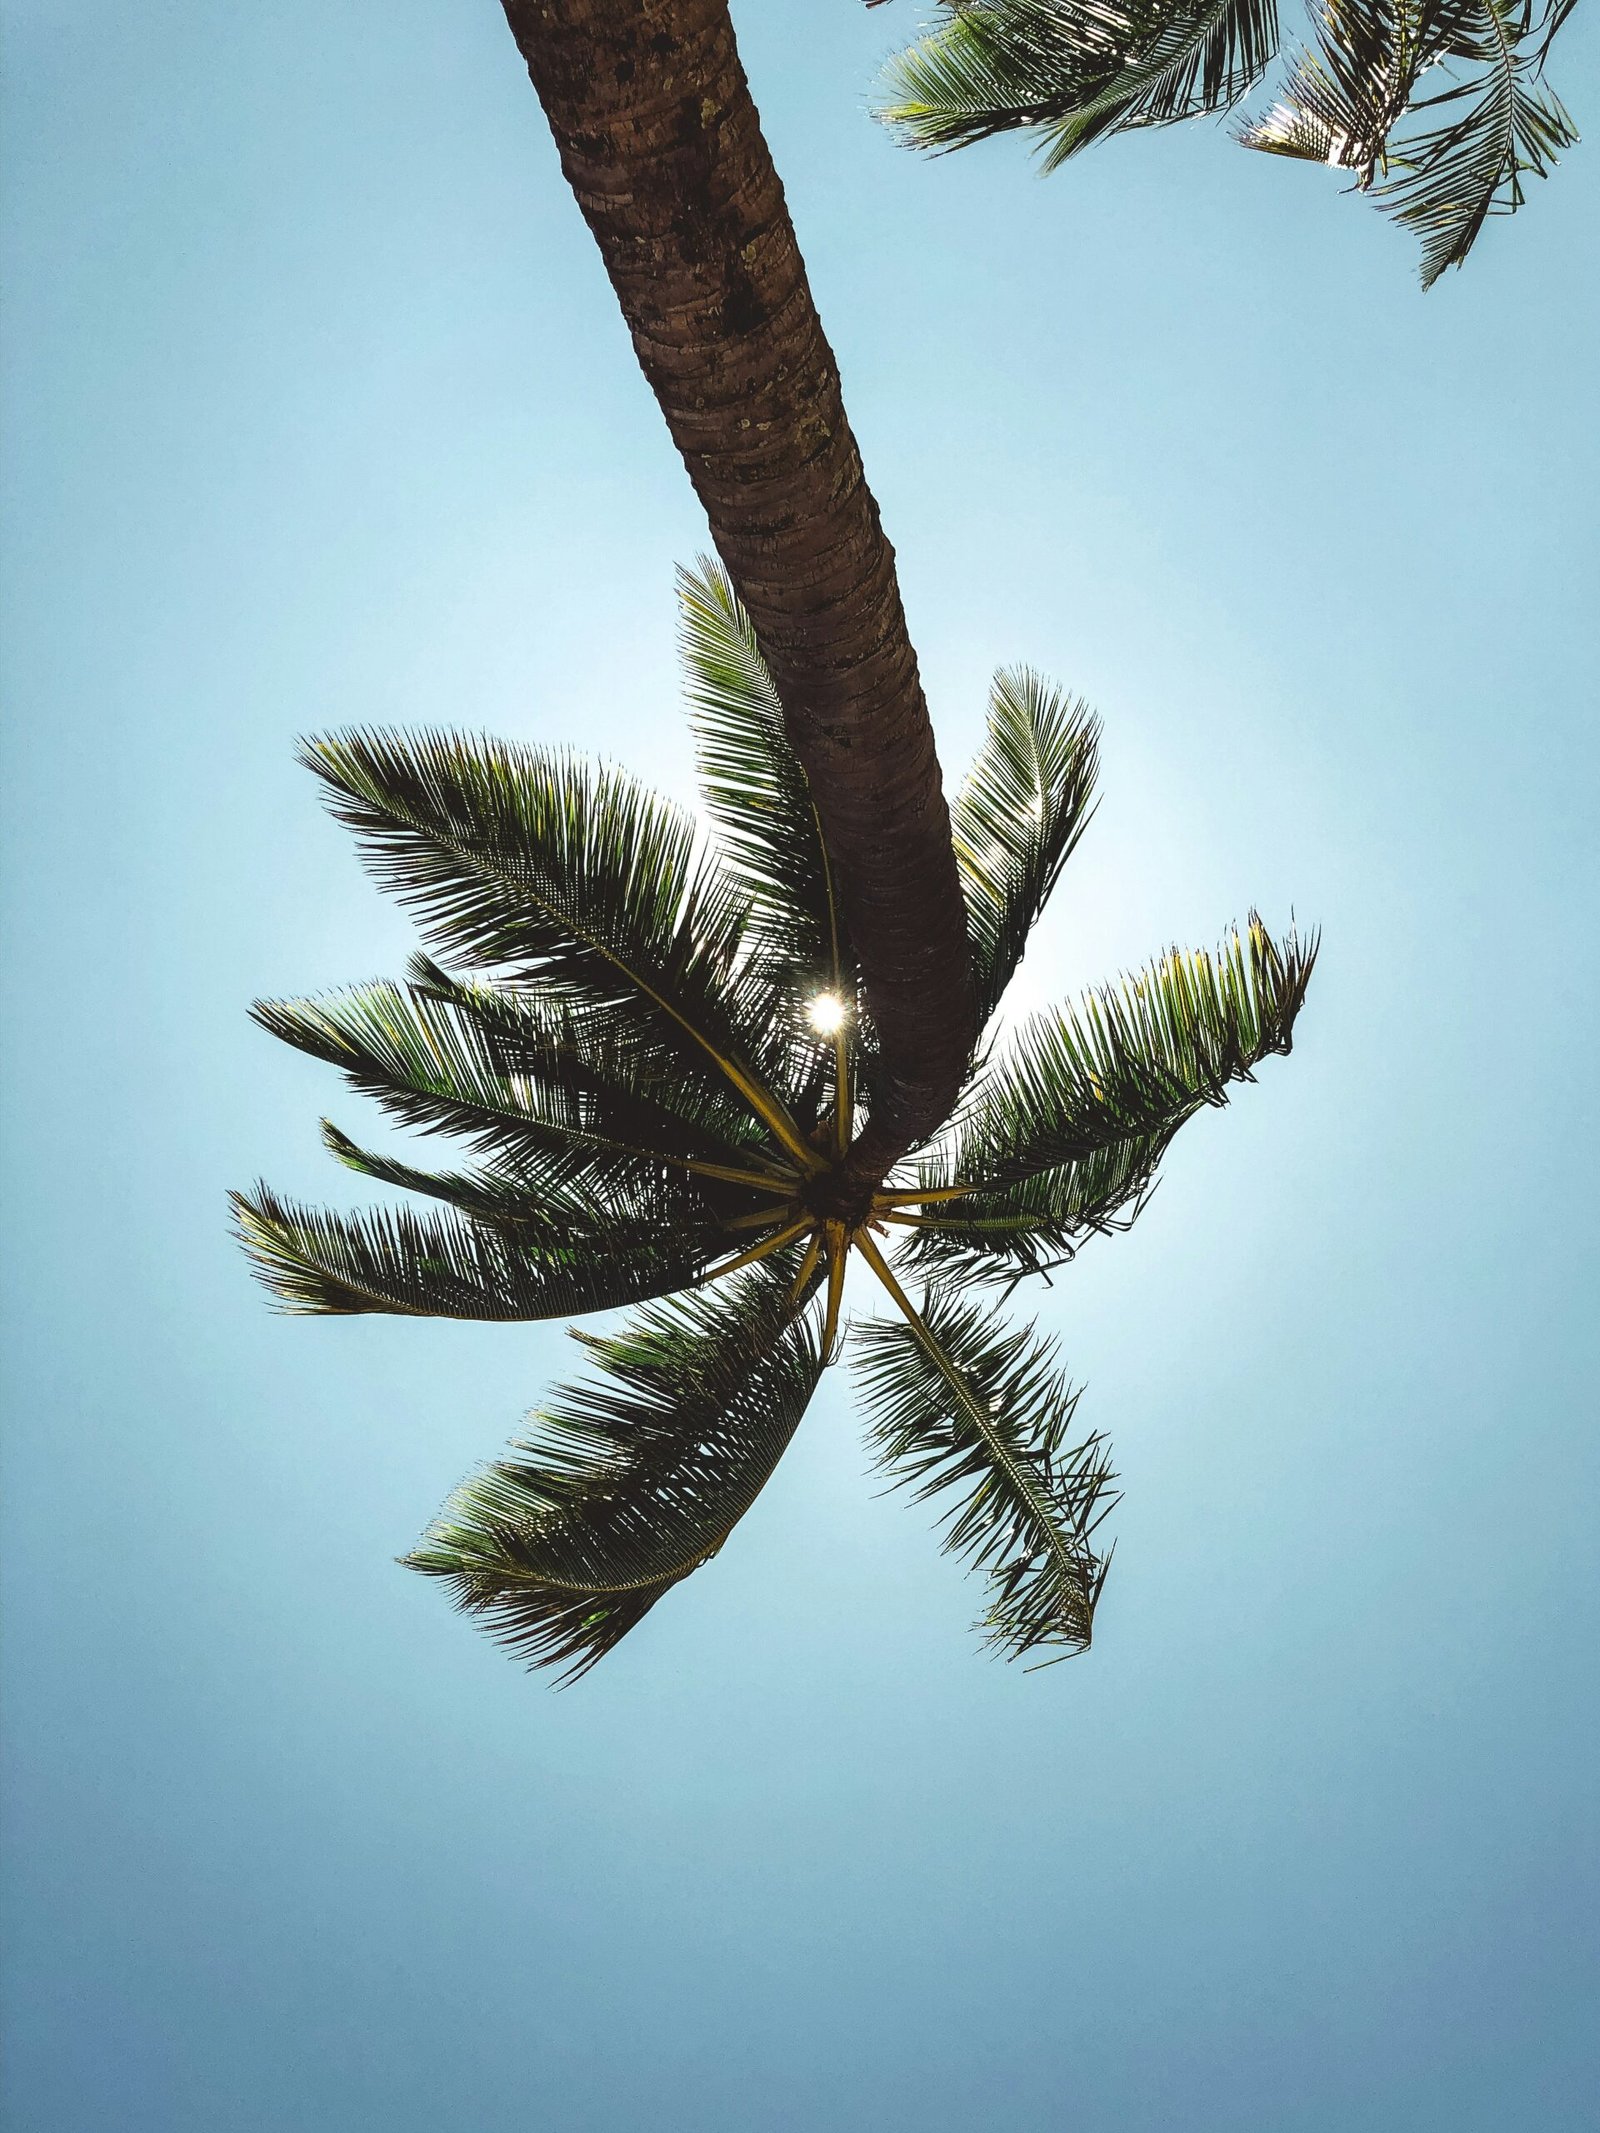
<point x="661" y="144"/>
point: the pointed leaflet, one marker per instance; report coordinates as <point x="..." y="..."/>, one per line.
<point x="963" y="1405"/>
<point x="1073" y="70"/>
<point x="1024" y="805"/>
<point x="441" y="1266"/>
<point x="579" y="877"/>
<point x="635" y="1477"/>
<point x="1494" y="121"/>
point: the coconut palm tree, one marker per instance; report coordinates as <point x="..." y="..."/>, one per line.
<point x="1439" y="108"/>
<point x="658" y="1045"/>
<point x="661" y="145"/>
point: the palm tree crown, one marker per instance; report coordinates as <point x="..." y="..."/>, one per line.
<point x="657" y="1048"/>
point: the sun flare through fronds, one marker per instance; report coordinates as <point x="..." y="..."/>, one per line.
<point x="649" y="1034"/>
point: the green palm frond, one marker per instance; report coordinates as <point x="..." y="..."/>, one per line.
<point x="1470" y="143"/>
<point x="605" y="1072"/>
<point x="1072" y="71"/>
<point x="960" y="1405"/>
<point x="1063" y="1130"/>
<point x="441" y="1266"/>
<point x="1025" y="803"/>
<point x="1133" y="1059"/>
<point x="635" y="1478"/>
<point x="523" y="1201"/>
<point x="561" y="1114"/>
<point x="1035" y="1223"/>
<point x="754" y="788"/>
<point x="543" y="868"/>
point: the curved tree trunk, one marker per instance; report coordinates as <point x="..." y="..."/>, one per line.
<point x="661" y="144"/>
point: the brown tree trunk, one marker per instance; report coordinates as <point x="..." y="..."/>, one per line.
<point x="661" y="144"/>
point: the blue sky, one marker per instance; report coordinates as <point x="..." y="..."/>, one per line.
<point x="320" y="411"/>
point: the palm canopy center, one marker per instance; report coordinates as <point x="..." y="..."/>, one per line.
<point x="654" y="1047"/>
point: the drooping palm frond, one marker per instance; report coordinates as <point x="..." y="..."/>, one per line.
<point x="444" y="1266"/>
<point x="1063" y="1130"/>
<point x="1493" y="121"/>
<point x="1025" y="803"/>
<point x="754" y="788"/>
<point x="1072" y="71"/>
<point x="635" y="1478"/>
<point x="546" y="869"/>
<point x="958" y="1404"/>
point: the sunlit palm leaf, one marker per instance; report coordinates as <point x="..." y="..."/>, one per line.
<point x="542" y="867"/>
<point x="1064" y="1128"/>
<point x="1022" y="809"/>
<point x="634" y="1478"/>
<point x="1074" y="70"/>
<point x="984" y="1412"/>
<point x="440" y="1266"/>
<point x="1490" y="121"/>
<point x="562" y="1113"/>
<point x="1130" y="1060"/>
<point x="603" y="1071"/>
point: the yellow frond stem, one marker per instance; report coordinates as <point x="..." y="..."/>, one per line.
<point x="843" y="1104"/>
<point x="912" y="1199"/>
<point x="763" y="1250"/>
<point x="808" y="1266"/>
<point x="780" y="1183"/>
<point x="763" y="1217"/>
<point x="838" y="1252"/>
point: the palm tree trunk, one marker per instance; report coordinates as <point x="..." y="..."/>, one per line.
<point x="661" y="144"/>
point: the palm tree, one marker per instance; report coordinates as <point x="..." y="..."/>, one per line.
<point x="661" y="145"/>
<point x="1439" y="108"/>
<point x="658" y="1045"/>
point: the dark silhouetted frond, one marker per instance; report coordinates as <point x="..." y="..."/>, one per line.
<point x="442" y="1266"/>
<point x="1071" y="71"/>
<point x="1022" y="809"/>
<point x="634" y="1478"/>
<point x="960" y="1404"/>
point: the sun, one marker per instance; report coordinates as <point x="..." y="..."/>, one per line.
<point x="826" y="1014"/>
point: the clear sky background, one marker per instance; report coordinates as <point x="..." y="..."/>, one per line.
<point x="319" y="411"/>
